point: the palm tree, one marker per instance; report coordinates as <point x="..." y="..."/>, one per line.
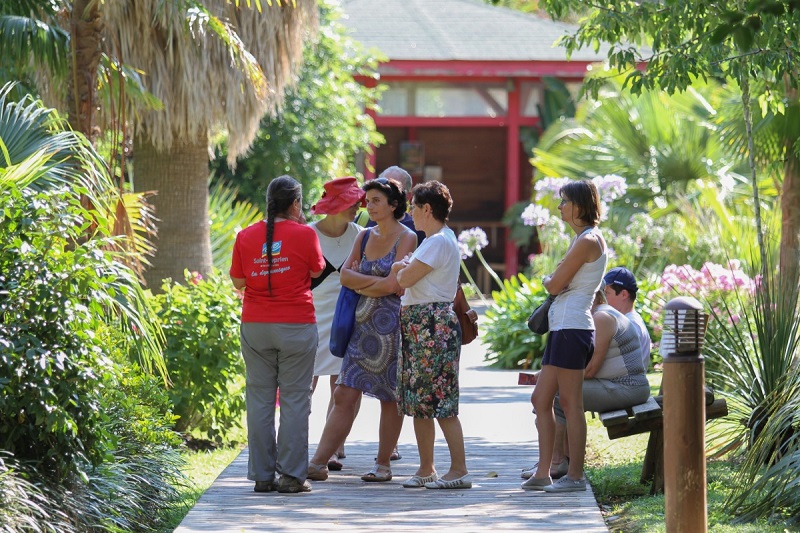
<point x="212" y="64"/>
<point x="201" y="89"/>
<point x="33" y="35"/>
<point x="658" y="143"/>
<point x="775" y="137"/>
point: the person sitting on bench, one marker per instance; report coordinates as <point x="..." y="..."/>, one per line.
<point x="614" y="378"/>
<point x="621" y="289"/>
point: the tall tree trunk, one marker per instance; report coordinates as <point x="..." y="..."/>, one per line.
<point x="790" y="197"/>
<point x="180" y="178"/>
<point x="86" y="26"/>
<point x="744" y="83"/>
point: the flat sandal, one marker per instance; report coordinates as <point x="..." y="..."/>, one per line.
<point x="378" y="474"/>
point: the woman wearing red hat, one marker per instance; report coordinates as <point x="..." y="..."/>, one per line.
<point x="336" y="232"/>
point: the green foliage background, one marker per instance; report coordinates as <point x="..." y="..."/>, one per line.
<point x="322" y="125"/>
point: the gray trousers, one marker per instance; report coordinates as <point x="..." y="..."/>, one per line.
<point x="601" y="395"/>
<point x="278" y="356"/>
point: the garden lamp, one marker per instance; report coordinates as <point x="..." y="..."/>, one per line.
<point x="684" y="414"/>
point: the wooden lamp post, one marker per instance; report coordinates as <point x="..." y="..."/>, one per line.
<point x="684" y="416"/>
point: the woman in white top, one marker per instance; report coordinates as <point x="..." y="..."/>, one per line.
<point x="336" y="232"/>
<point x="427" y="372"/>
<point x="570" y="343"/>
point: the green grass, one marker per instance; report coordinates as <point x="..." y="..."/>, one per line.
<point x="201" y="469"/>
<point x="615" y="466"/>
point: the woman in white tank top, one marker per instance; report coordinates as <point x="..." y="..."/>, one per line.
<point x="570" y="343"/>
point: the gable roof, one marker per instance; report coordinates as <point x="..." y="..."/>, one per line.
<point x="457" y="30"/>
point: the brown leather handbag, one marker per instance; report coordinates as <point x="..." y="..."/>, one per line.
<point x="467" y="318"/>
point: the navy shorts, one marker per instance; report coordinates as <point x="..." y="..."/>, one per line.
<point x="569" y="348"/>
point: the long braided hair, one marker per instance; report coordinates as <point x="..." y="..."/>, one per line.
<point x="281" y="194"/>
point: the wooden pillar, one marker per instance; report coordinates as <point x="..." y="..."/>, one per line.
<point x="512" y="171"/>
<point x="684" y="413"/>
<point x="371" y="157"/>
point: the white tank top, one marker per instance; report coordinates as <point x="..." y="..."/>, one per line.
<point x="572" y="309"/>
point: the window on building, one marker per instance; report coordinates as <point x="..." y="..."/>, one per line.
<point x="445" y="100"/>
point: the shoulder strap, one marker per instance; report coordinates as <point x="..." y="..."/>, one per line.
<point x="329" y="269"/>
<point x="364" y="240"/>
<point x="362" y="218"/>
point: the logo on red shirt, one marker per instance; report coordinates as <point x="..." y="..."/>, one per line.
<point x="276" y="249"/>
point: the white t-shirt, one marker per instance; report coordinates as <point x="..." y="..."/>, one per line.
<point x="644" y="336"/>
<point x="440" y="252"/>
<point x="336" y="250"/>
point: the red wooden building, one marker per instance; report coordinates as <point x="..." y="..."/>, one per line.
<point x="464" y="82"/>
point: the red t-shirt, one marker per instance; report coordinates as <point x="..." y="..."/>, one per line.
<point x="295" y="254"/>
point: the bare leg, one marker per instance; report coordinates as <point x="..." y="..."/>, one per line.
<point x="389" y="432"/>
<point x="560" y="446"/>
<point x="451" y="427"/>
<point x="425" y="431"/>
<point x="542" y="399"/>
<point x="339" y="423"/>
<point x="340" y="450"/>
<point x="570" y="395"/>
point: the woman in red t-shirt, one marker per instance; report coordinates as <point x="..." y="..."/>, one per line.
<point x="273" y="262"/>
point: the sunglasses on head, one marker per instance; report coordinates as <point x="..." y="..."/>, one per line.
<point x="382" y="181"/>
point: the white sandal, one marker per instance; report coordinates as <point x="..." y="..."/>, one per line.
<point x="418" y="482"/>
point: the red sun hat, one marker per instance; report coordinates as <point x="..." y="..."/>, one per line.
<point x="339" y="194"/>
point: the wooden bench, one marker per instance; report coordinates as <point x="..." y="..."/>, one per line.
<point x="646" y="417"/>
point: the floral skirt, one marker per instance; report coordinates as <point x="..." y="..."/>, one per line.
<point x="427" y="371"/>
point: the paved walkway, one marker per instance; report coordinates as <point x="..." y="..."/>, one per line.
<point x="500" y="440"/>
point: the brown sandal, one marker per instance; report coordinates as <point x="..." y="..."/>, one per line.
<point x="379" y="473"/>
<point x="317" y="472"/>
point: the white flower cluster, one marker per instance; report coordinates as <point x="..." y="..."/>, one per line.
<point x="472" y="240"/>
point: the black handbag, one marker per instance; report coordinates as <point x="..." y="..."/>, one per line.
<point x="538" y="321"/>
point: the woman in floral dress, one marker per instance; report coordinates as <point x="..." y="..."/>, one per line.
<point x="427" y="383"/>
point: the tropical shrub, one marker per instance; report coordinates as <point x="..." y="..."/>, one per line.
<point x="757" y="346"/>
<point x="75" y="426"/>
<point x="510" y="344"/>
<point x="200" y="319"/>
<point x="55" y="294"/>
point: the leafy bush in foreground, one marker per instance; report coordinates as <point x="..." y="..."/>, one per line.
<point x="200" y="320"/>
<point x="510" y="343"/>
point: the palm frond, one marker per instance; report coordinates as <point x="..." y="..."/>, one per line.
<point x="34" y="41"/>
<point x="27" y="128"/>
<point x="240" y="58"/>
<point x="227" y="216"/>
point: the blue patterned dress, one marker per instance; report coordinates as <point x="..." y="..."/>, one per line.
<point x="370" y="362"/>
